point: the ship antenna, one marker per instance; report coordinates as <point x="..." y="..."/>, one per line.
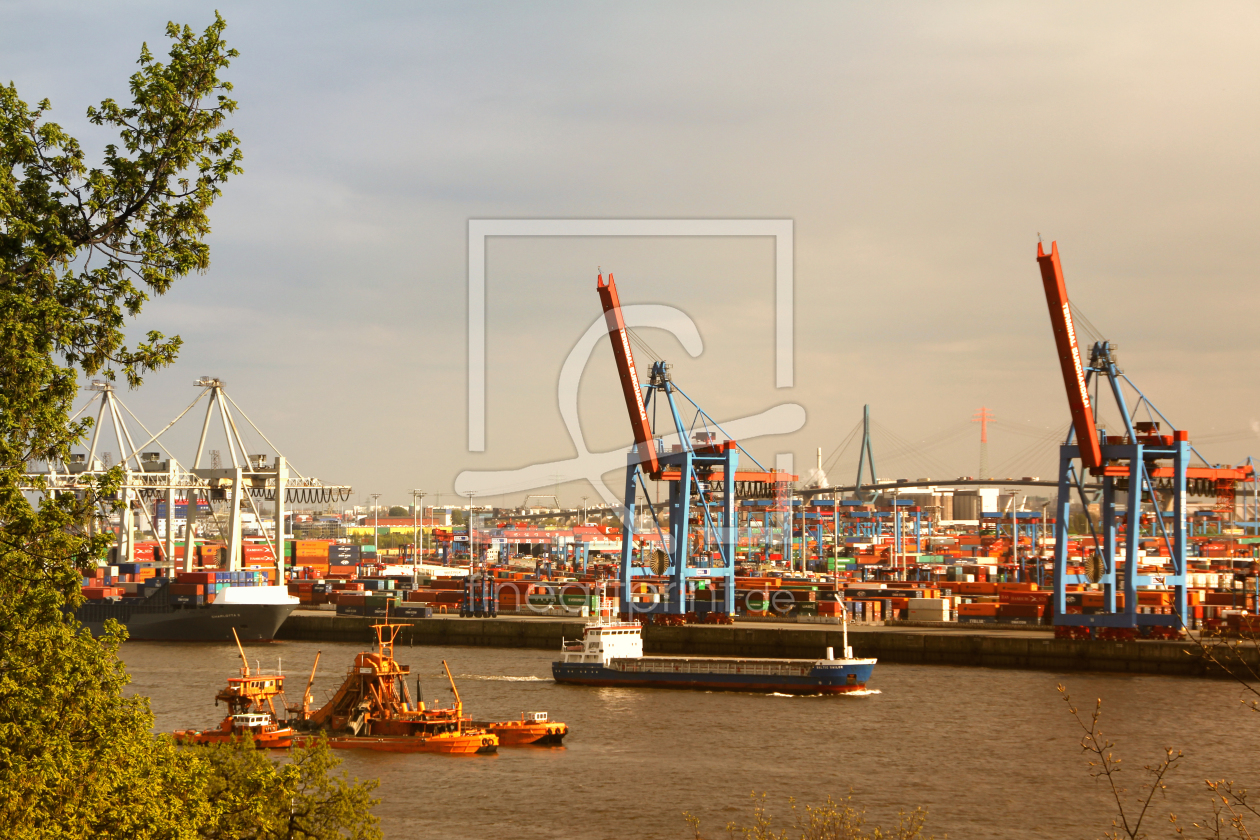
<point x="844" y="618"/>
<point x="245" y="670"/>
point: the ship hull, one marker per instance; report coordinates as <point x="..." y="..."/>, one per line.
<point x="279" y="740"/>
<point x="515" y="734"/>
<point x="208" y="623"/>
<point x="763" y="676"/>
<point x="441" y="744"/>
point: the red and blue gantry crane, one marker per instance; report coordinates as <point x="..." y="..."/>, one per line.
<point x="1127" y="467"/>
<point x="700" y="464"/>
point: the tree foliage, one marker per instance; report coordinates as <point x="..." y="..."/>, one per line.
<point x="254" y="798"/>
<point x="81" y="250"/>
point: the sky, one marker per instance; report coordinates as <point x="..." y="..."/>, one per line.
<point x="919" y="150"/>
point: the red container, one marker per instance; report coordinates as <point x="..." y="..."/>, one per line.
<point x="187" y="589"/>
<point x="257" y="554"/>
<point x="1035" y="598"/>
<point x="1021" y="611"/>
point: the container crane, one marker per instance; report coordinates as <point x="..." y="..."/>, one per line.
<point x="701" y="466"/>
<point x="1138" y="461"/>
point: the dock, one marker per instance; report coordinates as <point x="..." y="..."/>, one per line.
<point x="966" y="646"/>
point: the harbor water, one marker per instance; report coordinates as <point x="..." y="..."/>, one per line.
<point x="988" y="753"/>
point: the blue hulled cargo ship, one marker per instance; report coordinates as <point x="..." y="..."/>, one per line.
<point x="610" y="653"/>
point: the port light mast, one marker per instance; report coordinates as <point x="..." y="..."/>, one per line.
<point x="1137" y="461"/>
<point x="702" y="471"/>
<point x="984" y="417"/>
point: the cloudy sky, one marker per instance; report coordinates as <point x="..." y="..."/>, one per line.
<point x="918" y="149"/>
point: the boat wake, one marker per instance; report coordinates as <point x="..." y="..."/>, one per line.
<point x="501" y="678"/>
<point x="865" y="692"/>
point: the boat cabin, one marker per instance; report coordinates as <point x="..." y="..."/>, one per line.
<point x="250" y="721"/>
<point x="604" y="641"/>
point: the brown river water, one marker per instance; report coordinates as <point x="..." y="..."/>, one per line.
<point x="989" y="753"/>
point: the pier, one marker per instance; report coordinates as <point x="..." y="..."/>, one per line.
<point x="1026" y="649"/>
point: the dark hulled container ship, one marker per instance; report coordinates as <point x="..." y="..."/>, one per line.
<point x="156" y="614"/>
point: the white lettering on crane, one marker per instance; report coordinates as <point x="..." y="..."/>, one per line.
<point x="634" y="376"/>
<point x="1076" y="355"/>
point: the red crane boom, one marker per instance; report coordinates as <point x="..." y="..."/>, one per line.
<point x="629" y="376"/>
<point x="1069" y="355"/>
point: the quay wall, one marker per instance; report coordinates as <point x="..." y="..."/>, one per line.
<point x="1035" y="651"/>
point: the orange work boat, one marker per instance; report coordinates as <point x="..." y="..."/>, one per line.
<point x="250" y="699"/>
<point x="533" y="729"/>
<point x="373" y="710"/>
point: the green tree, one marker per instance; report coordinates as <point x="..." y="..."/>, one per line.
<point x="81" y="250"/>
<point x="251" y="796"/>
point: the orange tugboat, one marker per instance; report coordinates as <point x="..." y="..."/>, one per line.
<point x="533" y="729"/>
<point x="373" y="710"/>
<point x="251" y="710"/>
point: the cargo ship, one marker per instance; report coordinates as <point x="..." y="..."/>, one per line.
<point x="154" y="612"/>
<point x="610" y="653"/>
